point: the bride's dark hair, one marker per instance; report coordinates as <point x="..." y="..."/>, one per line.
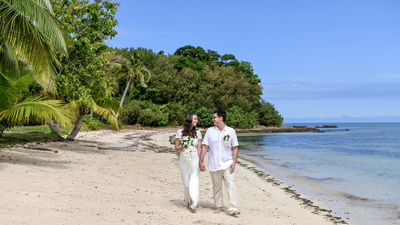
<point x="188" y="129"/>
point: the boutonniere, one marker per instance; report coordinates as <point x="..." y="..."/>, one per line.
<point x="226" y="137"/>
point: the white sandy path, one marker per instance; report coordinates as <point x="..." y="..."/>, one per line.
<point x="82" y="185"/>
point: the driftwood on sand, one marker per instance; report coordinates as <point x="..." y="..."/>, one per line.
<point x="34" y="146"/>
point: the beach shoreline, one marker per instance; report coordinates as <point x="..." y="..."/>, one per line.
<point x="82" y="184"/>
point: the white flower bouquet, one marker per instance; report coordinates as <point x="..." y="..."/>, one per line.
<point x="187" y="145"/>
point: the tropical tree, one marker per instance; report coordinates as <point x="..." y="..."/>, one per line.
<point x="83" y="80"/>
<point x="30" y="33"/>
<point x="132" y="68"/>
<point x="15" y="110"/>
<point x="268" y="115"/>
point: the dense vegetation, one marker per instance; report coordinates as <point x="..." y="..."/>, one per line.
<point x="55" y="69"/>
<point x="195" y="80"/>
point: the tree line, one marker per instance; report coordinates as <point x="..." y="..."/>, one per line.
<point x="55" y="69"/>
<point x="193" y="80"/>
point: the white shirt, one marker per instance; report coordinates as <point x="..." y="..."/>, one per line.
<point x="220" y="145"/>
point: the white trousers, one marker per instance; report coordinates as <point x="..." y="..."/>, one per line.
<point x="224" y="175"/>
<point x="190" y="178"/>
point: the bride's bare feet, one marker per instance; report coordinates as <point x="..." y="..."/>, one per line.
<point x="235" y="213"/>
<point x="219" y="209"/>
<point x="190" y="208"/>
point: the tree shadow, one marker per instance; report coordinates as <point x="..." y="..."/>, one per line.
<point x="49" y="157"/>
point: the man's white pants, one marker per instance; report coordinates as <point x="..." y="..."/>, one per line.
<point x="224" y="175"/>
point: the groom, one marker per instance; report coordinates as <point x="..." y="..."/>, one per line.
<point x="222" y="144"/>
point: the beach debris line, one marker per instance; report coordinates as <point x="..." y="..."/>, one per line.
<point x="304" y="201"/>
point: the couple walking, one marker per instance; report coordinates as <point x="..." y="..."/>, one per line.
<point x="221" y="144"/>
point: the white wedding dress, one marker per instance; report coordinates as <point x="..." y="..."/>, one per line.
<point x="189" y="166"/>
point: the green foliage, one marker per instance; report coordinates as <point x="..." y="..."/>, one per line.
<point x="144" y="113"/>
<point x="204" y="116"/>
<point x="93" y="123"/>
<point x="268" y="115"/>
<point x="194" y="79"/>
<point x="83" y="79"/>
<point x="39" y="128"/>
<point x="176" y="113"/>
<point x="237" y="117"/>
<point x="15" y="110"/>
<point x="30" y="33"/>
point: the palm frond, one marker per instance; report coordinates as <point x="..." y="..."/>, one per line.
<point x="36" y="109"/>
<point x="8" y="58"/>
<point x="107" y="114"/>
<point x="29" y="42"/>
<point x="23" y="81"/>
<point x="110" y="103"/>
<point x="46" y="4"/>
<point x="8" y="93"/>
<point x="144" y="78"/>
<point x="73" y="108"/>
<point x="41" y="13"/>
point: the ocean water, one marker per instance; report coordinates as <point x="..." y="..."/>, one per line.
<point x="353" y="169"/>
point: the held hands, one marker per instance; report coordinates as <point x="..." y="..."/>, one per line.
<point x="202" y="167"/>
<point x="233" y="167"/>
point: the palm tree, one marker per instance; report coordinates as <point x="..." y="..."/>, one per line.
<point x="131" y="68"/>
<point x="82" y="107"/>
<point x="16" y="110"/>
<point x="29" y="32"/>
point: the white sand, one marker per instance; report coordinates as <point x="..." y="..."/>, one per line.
<point x="84" y="185"/>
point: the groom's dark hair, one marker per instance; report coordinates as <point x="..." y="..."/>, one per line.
<point x="221" y="113"/>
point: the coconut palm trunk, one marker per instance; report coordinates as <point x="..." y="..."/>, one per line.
<point x="53" y="127"/>
<point x="133" y="67"/>
<point x="124" y="95"/>
<point x="77" y="126"/>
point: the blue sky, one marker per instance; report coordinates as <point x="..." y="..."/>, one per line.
<point x="316" y="59"/>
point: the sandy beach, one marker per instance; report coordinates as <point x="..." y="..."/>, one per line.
<point x="80" y="183"/>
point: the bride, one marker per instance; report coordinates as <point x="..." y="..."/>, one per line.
<point x="188" y="142"/>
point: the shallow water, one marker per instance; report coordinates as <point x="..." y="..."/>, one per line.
<point x="354" y="172"/>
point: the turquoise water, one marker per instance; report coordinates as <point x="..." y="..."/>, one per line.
<point x="354" y="172"/>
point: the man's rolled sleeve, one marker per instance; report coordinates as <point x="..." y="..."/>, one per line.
<point x="235" y="141"/>
<point x="205" y="139"/>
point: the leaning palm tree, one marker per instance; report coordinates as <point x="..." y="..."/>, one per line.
<point x="132" y="68"/>
<point x="29" y="32"/>
<point x="14" y="109"/>
<point x="80" y="108"/>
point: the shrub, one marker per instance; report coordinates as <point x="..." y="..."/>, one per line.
<point x="204" y="116"/>
<point x="93" y="123"/>
<point x="145" y="113"/>
<point x="268" y="115"/>
<point x="176" y="113"/>
<point x="237" y="117"/>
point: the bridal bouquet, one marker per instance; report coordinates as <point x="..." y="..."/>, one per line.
<point x="187" y="145"/>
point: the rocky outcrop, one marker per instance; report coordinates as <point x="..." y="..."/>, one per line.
<point x="263" y="129"/>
